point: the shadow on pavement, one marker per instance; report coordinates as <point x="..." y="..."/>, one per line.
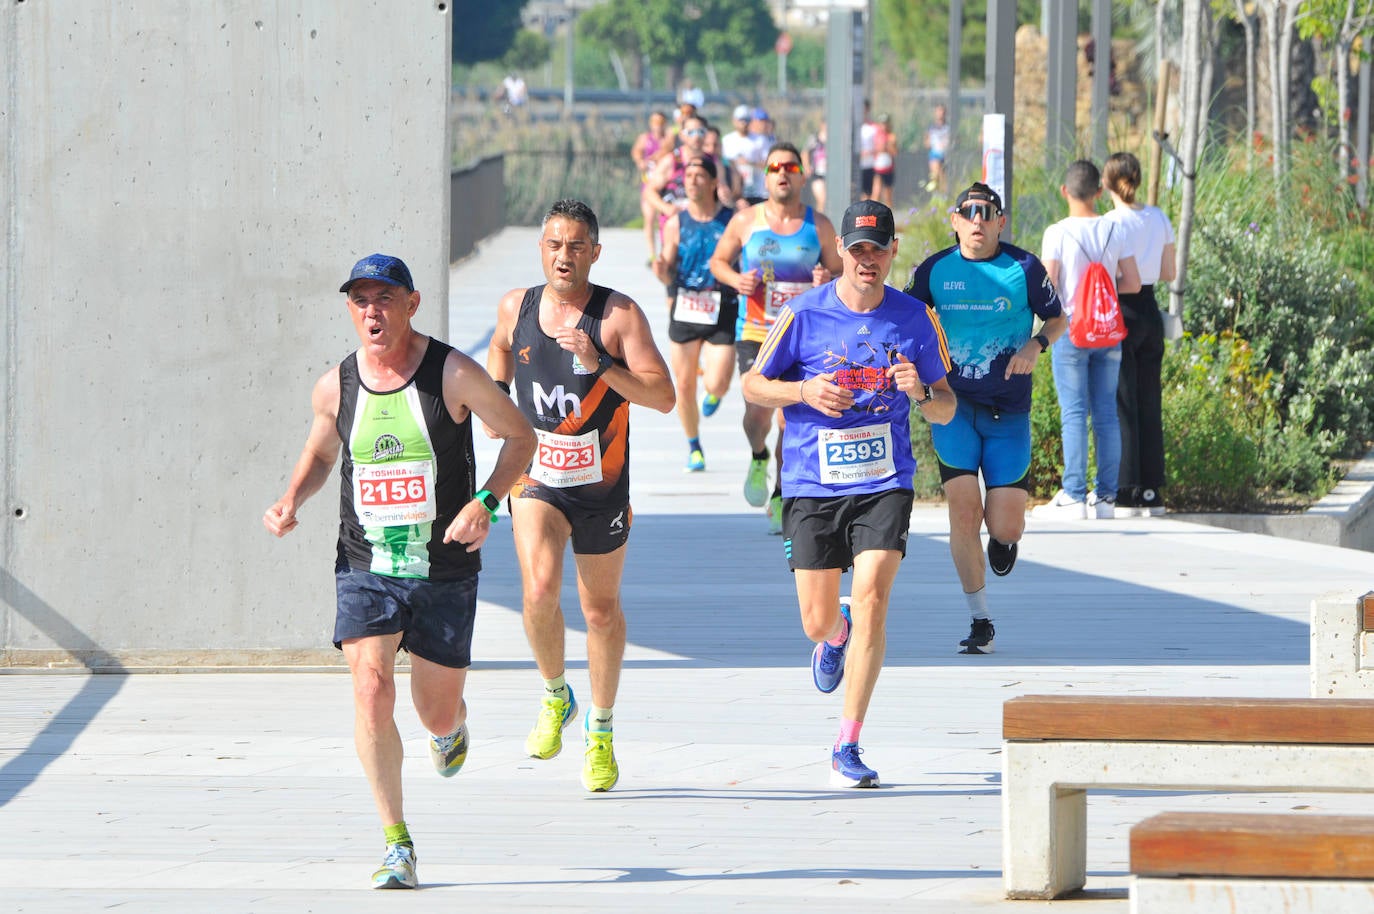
<point x="715" y="590"/>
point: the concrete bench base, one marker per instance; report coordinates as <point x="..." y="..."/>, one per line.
<point x="1342" y="652"/>
<point x="1193" y="895"/>
<point x="1226" y="745"/>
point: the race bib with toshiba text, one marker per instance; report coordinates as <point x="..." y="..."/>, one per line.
<point x="697" y="306"/>
<point x="567" y="460"/>
<point x="861" y="454"/>
<point x="394" y="494"/>
<point x="778" y="294"/>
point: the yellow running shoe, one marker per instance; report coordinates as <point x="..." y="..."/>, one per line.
<point x="599" y="770"/>
<point x="756" y="482"/>
<point x="546" y="739"/>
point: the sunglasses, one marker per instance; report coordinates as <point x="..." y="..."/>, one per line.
<point x="792" y="168"/>
<point x="694" y="133"/>
<point x="986" y="211"/>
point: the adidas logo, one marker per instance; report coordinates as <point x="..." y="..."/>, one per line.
<point x="863" y="330"/>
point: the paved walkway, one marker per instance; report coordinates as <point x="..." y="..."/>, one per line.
<point x="241" y="792"/>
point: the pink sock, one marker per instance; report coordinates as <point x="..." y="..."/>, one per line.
<point x="843" y="636"/>
<point x="849" y="731"/>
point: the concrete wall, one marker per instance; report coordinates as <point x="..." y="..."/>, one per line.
<point x="186" y="185"/>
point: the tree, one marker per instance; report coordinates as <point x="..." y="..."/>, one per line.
<point x="484" y="29"/>
<point x="1339" y="23"/>
<point x="918" y="32"/>
<point x="675" y="33"/>
<point x="528" y="50"/>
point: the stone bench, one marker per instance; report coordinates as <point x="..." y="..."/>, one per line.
<point x="1058" y="747"/>
<point x="1191" y="863"/>
<point x="1343" y="646"/>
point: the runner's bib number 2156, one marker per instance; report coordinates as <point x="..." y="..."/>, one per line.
<point x="862" y="454"/>
<point x="394" y="494"/>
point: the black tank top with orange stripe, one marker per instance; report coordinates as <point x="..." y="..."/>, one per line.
<point x="583" y="425"/>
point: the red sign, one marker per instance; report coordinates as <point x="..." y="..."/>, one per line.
<point x="784" y="43"/>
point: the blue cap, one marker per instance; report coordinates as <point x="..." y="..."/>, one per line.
<point x="383" y="268"/>
<point x="760" y="114"/>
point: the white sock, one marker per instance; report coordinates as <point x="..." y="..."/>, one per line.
<point x="978" y="603"/>
<point x="599" y="719"/>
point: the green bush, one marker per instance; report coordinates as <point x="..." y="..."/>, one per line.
<point x="1284" y="271"/>
<point x="1214" y="413"/>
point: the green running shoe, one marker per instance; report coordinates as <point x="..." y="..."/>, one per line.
<point x="599" y="770"/>
<point x="775" y="516"/>
<point x="756" y="483"/>
<point x="546" y="739"/>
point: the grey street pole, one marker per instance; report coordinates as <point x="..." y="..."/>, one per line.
<point x="568" y="63"/>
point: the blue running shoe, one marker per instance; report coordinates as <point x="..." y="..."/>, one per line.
<point x="709" y="404"/>
<point x="696" y="461"/>
<point x="827" y="662"/>
<point x="848" y="770"/>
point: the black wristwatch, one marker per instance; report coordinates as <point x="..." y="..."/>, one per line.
<point x="1043" y="340"/>
<point x="927" y="398"/>
<point x="603" y="362"/>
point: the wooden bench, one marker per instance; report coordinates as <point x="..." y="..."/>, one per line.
<point x="1203" y="862"/>
<point x="1057" y="747"/>
<point x="1342" y="653"/>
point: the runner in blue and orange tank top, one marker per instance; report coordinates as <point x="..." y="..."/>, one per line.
<point x="772" y="252"/>
<point x="577" y="355"/>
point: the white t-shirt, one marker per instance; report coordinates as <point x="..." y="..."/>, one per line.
<point x="735" y="146"/>
<point x="868" y="143"/>
<point x="1077" y="241"/>
<point x="1149" y="232"/>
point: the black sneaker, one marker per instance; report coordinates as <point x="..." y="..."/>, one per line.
<point x="1001" y="557"/>
<point x="979" y="640"/>
<point x="1151" y="503"/>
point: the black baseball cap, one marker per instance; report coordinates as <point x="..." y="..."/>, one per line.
<point x="978" y="192"/>
<point x="381" y="267"/>
<point x="868" y="220"/>
<point x="705" y="163"/>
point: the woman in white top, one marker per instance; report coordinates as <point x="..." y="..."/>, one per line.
<point x="1151" y="239"/>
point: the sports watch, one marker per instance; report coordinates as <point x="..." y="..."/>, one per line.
<point x="1043" y="340"/>
<point x="490" y="502"/>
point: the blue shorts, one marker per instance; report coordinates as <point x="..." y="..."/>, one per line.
<point x="435" y="617"/>
<point x="982" y="438"/>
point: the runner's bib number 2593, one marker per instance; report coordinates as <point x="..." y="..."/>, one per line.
<point x="849" y="455"/>
<point x="394" y="494"/>
<point x="562" y="461"/>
